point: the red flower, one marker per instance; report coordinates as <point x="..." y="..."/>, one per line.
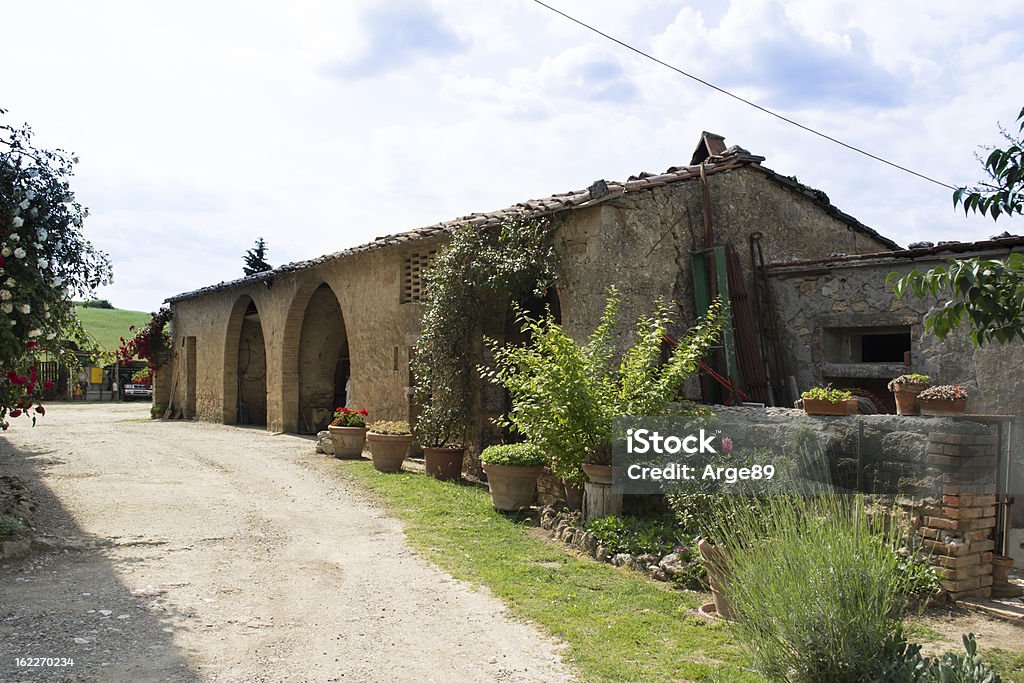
<point x="48" y="384"/>
<point x="41" y="410"/>
<point x="32" y="345"/>
<point x="363" y="412"/>
<point x="16" y="413"/>
<point x="2" y="260"/>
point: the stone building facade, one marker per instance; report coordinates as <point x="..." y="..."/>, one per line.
<point x="284" y="347"/>
<point x="284" y="344"/>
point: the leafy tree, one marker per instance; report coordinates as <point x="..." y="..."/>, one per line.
<point x="256" y="259"/>
<point x="987" y="293"/>
<point x="1004" y="192"/>
<point x="97" y="303"/>
<point x="45" y="260"/>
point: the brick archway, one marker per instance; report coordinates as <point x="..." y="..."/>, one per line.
<point x="314" y="358"/>
<point x="245" y="365"/>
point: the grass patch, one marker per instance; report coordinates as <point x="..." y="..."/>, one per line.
<point x="617" y="627"/>
<point x="108" y="325"/>
<point x="1009" y="665"/>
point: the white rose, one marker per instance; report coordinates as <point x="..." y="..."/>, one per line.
<point x="51" y="335"/>
<point x="5" y="252"/>
<point x="57" y="281"/>
<point x="25" y="308"/>
<point x="6" y="307"/>
<point x="10" y="282"/>
<point x="17" y="222"/>
<point x="30" y="194"/>
<point x="14" y="237"/>
<point x="42" y="263"/>
<point x="25" y="204"/>
<point x="35" y="333"/>
<point x="5" y="295"/>
<point x="19" y="253"/>
<point x="41" y="234"/>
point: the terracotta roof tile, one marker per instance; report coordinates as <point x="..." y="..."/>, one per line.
<point x="733" y="158"/>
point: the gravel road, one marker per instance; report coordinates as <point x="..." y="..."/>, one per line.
<point x="185" y="551"/>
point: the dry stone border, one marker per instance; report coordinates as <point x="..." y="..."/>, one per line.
<point x="564" y="527"/>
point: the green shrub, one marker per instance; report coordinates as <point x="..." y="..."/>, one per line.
<point x="392" y="427"/>
<point x="157" y="410"/>
<point x="515" y="454"/>
<point x="10" y="526"/>
<point x="566" y="395"/>
<point x="827" y="394"/>
<point x="637" y="536"/>
<point x="817" y="596"/>
<point x="905" y="664"/>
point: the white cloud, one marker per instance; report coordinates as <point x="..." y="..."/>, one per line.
<point x="203" y="126"/>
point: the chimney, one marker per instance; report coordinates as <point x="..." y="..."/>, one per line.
<point x="710" y="145"/>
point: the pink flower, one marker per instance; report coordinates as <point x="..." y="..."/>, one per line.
<point x="727" y="445"/>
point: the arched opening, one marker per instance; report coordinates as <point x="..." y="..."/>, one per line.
<point x="245" y="366"/>
<point x="324" y="367"/>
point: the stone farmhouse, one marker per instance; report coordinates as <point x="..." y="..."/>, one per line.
<point x="806" y="282"/>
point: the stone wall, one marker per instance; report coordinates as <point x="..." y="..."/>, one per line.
<point x="940" y="470"/>
<point x="814" y="300"/>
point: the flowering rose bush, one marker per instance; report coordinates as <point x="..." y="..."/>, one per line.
<point x="150" y="344"/>
<point x="346" y="417"/>
<point x="44" y="261"/>
<point x="143" y="376"/>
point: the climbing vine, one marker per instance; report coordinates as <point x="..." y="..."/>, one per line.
<point x="469" y="280"/>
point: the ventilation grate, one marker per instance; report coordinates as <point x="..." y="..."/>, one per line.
<point x="412" y="276"/>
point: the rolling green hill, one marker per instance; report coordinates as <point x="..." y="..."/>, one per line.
<point x="108" y="325"/>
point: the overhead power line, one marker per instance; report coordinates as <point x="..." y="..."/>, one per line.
<point x="741" y="99"/>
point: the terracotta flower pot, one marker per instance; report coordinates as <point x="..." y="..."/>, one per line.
<point x="906" y="398"/>
<point x="714" y="563"/>
<point x="573" y="495"/>
<point x="388" y="451"/>
<point x="819" y="406"/>
<point x="942" y="406"/>
<point x="443" y="463"/>
<point x="512" y="486"/>
<point x="1001" y="566"/>
<point x="348" y="441"/>
<point x="598" y="474"/>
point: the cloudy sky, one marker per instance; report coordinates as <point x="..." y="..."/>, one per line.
<point x="321" y="125"/>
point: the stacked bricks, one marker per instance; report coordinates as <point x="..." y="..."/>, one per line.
<point x="959" y="531"/>
<point x="549" y="488"/>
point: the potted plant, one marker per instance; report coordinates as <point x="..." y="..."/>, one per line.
<point x="440" y="429"/>
<point x="348" y="432"/>
<point x="905" y="389"/>
<point x="512" y="472"/>
<point x="389" y="443"/>
<point x="828" y="401"/>
<point x="945" y="399"/>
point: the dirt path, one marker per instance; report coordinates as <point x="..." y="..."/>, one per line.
<point x="189" y="551"/>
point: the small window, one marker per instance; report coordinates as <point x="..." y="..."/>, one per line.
<point x="412" y="276"/>
<point x="866" y="344"/>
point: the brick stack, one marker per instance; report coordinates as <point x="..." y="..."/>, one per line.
<point x="549" y="488"/>
<point x="959" y="531"/>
